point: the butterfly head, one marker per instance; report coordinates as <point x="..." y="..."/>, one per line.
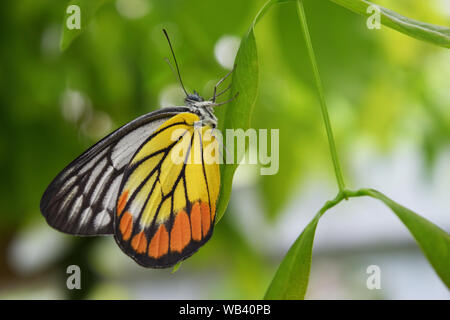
<point x="204" y="109"/>
<point x="193" y="98"/>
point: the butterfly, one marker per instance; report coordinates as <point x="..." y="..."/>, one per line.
<point x="128" y="184"/>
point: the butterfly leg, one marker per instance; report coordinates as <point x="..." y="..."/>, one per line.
<point x="215" y="95"/>
<point x="226" y="101"/>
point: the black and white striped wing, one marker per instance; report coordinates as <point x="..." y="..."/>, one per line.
<point x="81" y="199"/>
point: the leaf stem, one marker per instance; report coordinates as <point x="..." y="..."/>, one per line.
<point x="344" y="194"/>
<point x="323" y="106"/>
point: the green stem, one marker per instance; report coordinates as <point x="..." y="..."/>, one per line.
<point x="343" y="194"/>
<point x="323" y="106"/>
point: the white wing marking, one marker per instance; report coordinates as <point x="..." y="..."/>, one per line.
<point x="102" y="219"/>
<point x="76" y="207"/>
<point x="109" y="201"/>
<point x="85" y="215"/>
<point x="127" y="146"/>
<point x="101" y="184"/>
<point x="67" y="185"/>
<point x="68" y="198"/>
<point x="93" y="176"/>
<point x="91" y="163"/>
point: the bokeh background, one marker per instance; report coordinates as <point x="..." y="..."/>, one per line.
<point x="389" y="101"/>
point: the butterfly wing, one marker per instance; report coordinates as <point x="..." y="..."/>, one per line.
<point x="81" y="199"/>
<point x="166" y="208"/>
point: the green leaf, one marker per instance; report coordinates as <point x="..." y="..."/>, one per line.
<point x="435" y="34"/>
<point x="88" y="8"/>
<point x="291" y="280"/>
<point x="434" y="242"/>
<point x="238" y="114"/>
<point x="176" y="267"/>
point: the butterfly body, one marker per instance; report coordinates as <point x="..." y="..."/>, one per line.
<point x="160" y="212"/>
<point x="204" y="109"/>
<point x="153" y="183"/>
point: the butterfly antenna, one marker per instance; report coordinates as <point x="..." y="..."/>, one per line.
<point x="171" y="67"/>
<point x="176" y="63"/>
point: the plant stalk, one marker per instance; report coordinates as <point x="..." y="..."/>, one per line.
<point x="323" y="106"/>
<point x="344" y="194"/>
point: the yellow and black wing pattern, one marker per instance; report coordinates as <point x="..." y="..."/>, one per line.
<point x="166" y="203"/>
<point x="81" y="199"/>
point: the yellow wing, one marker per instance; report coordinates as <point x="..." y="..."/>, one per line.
<point x="167" y="200"/>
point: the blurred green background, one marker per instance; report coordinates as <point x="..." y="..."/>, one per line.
<point x="389" y="100"/>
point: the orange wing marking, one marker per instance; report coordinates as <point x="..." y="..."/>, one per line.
<point x="196" y="222"/>
<point x="206" y="218"/>
<point x="122" y="202"/>
<point x="180" y="235"/>
<point x="159" y="245"/>
<point x="139" y="242"/>
<point x="126" y="225"/>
